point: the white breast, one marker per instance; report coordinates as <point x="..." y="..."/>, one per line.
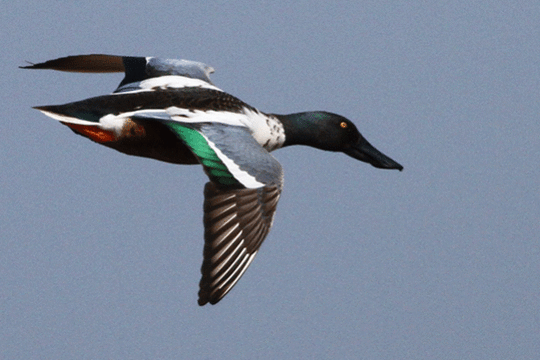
<point x="266" y="129"/>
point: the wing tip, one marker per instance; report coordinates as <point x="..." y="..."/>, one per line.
<point x="91" y="63"/>
<point x="204" y="298"/>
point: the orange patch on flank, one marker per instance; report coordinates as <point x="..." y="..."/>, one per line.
<point x="132" y="130"/>
<point x="93" y="132"/>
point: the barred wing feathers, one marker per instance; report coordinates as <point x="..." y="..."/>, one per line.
<point x="236" y="222"/>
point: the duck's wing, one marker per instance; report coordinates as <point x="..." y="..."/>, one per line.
<point x="236" y="221"/>
<point x="136" y="69"/>
<point x="239" y="201"/>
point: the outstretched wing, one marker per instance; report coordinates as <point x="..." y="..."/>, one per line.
<point x="136" y="69"/>
<point x="236" y="221"/>
<point x="240" y="201"/>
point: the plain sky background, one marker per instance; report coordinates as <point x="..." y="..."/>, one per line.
<point x="100" y="252"/>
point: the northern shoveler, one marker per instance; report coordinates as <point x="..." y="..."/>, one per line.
<point x="169" y="110"/>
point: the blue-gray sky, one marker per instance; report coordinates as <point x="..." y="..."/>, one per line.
<point x="100" y="252"/>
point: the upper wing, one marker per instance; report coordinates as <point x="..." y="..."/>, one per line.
<point x="240" y="201"/>
<point x="136" y="69"/>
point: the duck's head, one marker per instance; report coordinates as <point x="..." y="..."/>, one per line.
<point x="332" y="132"/>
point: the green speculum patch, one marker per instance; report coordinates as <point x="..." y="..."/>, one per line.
<point x="216" y="170"/>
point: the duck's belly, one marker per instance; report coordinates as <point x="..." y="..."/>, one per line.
<point x="140" y="138"/>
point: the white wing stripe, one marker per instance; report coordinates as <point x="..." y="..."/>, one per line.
<point x="200" y="116"/>
<point x="167" y="81"/>
<point x="240" y="175"/>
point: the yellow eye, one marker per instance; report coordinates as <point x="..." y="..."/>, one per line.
<point x="343" y="125"/>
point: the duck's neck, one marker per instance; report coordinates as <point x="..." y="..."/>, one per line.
<point x="301" y="128"/>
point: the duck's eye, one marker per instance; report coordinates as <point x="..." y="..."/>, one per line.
<point x="343" y="125"/>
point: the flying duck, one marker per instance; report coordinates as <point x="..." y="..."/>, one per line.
<point x="171" y="111"/>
